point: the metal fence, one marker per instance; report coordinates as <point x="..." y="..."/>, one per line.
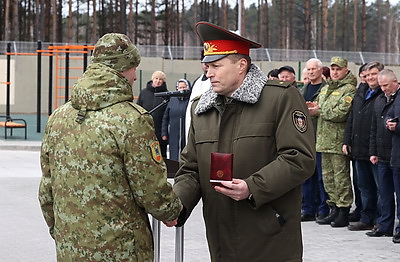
<point x="261" y="54"/>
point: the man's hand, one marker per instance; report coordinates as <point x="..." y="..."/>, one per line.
<point x="373" y="159"/>
<point x="312" y="107"/>
<point x="391" y="125"/>
<point x="346" y="149"/>
<point x="171" y="223"/>
<point x="237" y="190"/>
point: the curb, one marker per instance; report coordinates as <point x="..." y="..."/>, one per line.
<point x="22" y="146"/>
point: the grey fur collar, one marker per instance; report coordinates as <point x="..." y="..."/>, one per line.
<point x="248" y="92"/>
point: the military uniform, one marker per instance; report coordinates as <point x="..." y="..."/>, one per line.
<point x="265" y="124"/>
<point x="334" y="102"/>
<point x="102" y="168"/>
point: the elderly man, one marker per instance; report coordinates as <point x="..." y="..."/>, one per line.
<point x="380" y="151"/>
<point x="287" y="73"/>
<point x="313" y="209"/>
<point x="101" y="164"/>
<point x="332" y="107"/>
<point x="263" y="128"/>
<point x="392" y="124"/>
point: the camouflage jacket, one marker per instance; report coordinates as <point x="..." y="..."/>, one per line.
<point x="102" y="172"/>
<point x="334" y="102"/>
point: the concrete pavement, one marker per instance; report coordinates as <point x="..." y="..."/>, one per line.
<point x="24" y="235"/>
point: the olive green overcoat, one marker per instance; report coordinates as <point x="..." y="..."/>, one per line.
<point x="267" y="127"/>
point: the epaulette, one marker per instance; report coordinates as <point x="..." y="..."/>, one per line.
<point x="279" y="83"/>
<point x="196" y="98"/>
<point x="140" y="109"/>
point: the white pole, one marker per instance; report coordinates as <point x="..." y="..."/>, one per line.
<point x="239" y="17"/>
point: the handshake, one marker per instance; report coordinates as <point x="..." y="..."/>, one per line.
<point x="172" y="222"/>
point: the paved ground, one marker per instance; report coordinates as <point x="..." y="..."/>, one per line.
<point x="24" y="236"/>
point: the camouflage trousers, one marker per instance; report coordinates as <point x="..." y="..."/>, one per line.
<point x="336" y="178"/>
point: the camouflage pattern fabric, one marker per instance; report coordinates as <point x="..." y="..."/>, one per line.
<point x="337" y="181"/>
<point x="116" y="51"/>
<point x="101" y="173"/>
<point x="334" y="102"/>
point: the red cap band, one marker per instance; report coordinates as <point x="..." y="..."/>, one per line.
<point x="226" y="47"/>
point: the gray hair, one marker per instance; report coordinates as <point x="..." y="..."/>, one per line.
<point x="389" y="74"/>
<point x="315" y="60"/>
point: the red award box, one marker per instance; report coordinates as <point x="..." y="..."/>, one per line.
<point x="221" y="168"/>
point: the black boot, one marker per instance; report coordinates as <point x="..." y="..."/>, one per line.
<point x="342" y="220"/>
<point x="329" y="218"/>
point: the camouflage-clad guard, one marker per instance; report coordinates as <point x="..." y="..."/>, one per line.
<point x="332" y="107"/>
<point x="101" y="164"/>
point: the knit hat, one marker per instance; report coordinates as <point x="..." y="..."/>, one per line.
<point x="116" y="51"/>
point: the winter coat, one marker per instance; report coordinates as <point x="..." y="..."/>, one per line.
<point x="358" y="125"/>
<point x="267" y="127"/>
<point x="380" y="143"/>
<point x="334" y="102"/>
<point x="173" y="125"/>
<point x="102" y="173"/>
<point x="394" y="112"/>
<point x="148" y="101"/>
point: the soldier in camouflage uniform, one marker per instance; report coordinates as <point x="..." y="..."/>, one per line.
<point x="332" y="107"/>
<point x="101" y="164"/>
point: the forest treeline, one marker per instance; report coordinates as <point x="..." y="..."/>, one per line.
<point x="368" y="26"/>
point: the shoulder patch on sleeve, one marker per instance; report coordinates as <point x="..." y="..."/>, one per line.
<point x="140" y="109"/>
<point x="279" y="83"/>
<point x="348" y="99"/>
<point x="156" y="151"/>
<point x="300" y="121"/>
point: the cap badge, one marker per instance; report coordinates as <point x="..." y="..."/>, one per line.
<point x="209" y="48"/>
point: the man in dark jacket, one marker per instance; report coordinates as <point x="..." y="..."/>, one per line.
<point x="266" y="126"/>
<point x="392" y="124"/>
<point x="356" y="143"/>
<point x="380" y="152"/>
<point x="314" y="194"/>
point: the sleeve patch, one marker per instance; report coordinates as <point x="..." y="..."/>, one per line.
<point x="299" y="121"/>
<point x="156" y="152"/>
<point x="348" y="99"/>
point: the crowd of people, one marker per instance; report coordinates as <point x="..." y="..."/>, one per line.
<point x="355" y="125"/>
<point x="290" y="149"/>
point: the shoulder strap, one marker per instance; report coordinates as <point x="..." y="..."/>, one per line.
<point x="140" y="109"/>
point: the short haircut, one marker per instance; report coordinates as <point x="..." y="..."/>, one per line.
<point x="389" y="74"/>
<point x="376" y="65"/>
<point x="273" y="73"/>
<point x="315" y="60"/>
<point x="236" y="57"/>
<point x="362" y="68"/>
